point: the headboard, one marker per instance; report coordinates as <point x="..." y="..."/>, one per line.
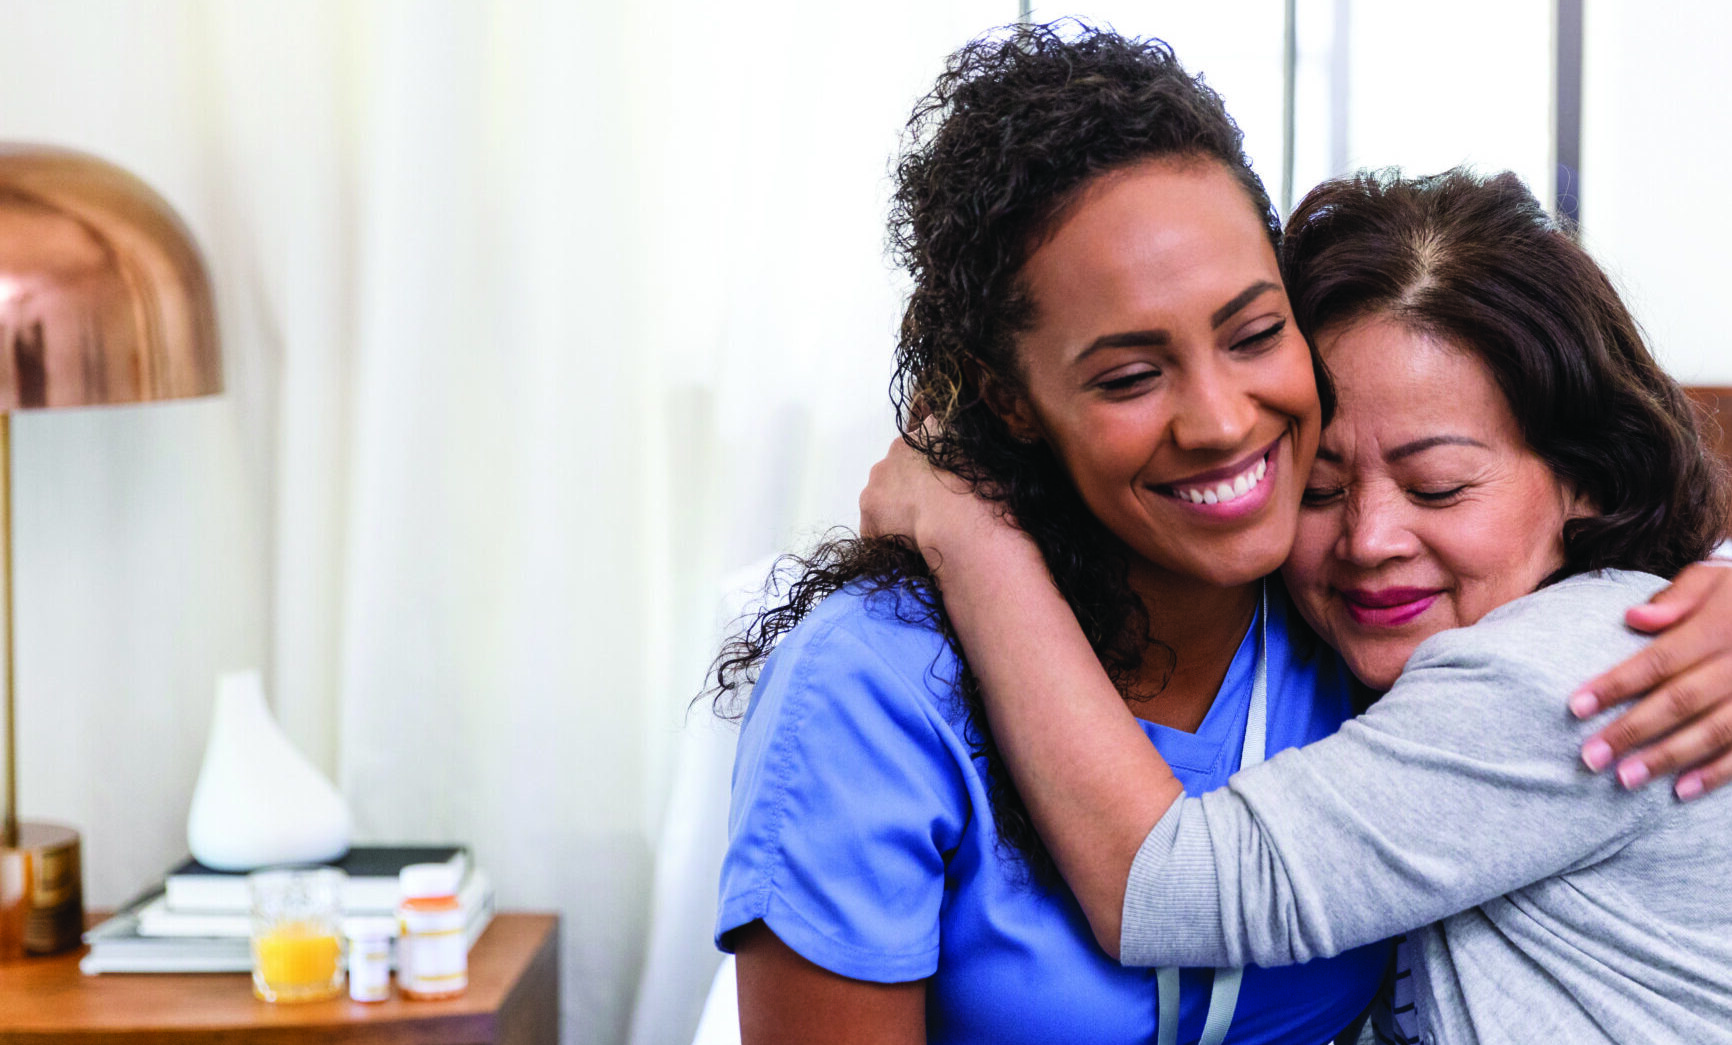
<point x="1716" y="401"/>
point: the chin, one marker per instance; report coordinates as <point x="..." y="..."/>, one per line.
<point x="1377" y="664"/>
<point x="1252" y="556"/>
<point x="1242" y="567"/>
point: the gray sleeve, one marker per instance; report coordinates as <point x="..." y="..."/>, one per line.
<point x="1461" y="784"/>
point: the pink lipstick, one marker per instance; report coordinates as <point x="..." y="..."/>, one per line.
<point x="1387" y="607"/>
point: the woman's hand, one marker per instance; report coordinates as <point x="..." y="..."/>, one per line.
<point x="907" y="497"/>
<point x="1092" y="781"/>
<point x="1686" y="718"/>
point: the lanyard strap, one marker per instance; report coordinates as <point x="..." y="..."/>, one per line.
<point x="1224" y="995"/>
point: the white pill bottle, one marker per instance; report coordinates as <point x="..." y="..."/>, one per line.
<point x="432" y="947"/>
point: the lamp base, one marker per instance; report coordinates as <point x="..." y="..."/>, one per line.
<point x="14" y="902"/>
<point x="41" y="891"/>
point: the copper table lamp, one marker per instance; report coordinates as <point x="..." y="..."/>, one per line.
<point x="103" y="299"/>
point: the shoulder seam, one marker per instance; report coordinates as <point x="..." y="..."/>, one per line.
<point x="783" y="767"/>
<point x="782" y="763"/>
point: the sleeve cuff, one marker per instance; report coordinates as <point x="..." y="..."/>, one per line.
<point x="1172" y="912"/>
<point x="817" y="946"/>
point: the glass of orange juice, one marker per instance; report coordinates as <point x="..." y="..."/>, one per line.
<point x="297" y="933"/>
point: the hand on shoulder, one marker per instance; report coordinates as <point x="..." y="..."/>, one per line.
<point x="940" y="512"/>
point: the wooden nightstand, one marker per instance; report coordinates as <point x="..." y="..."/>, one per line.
<point x="513" y="999"/>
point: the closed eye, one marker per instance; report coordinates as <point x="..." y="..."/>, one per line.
<point x="1318" y="496"/>
<point x="1128" y="381"/>
<point x="1437" y="496"/>
<point x="1261" y="338"/>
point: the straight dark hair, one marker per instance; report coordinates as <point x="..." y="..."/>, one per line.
<point x="1477" y="262"/>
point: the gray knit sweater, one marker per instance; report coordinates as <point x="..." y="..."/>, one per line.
<point x="1555" y="906"/>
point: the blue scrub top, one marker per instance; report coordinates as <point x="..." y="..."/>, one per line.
<point x="861" y="834"/>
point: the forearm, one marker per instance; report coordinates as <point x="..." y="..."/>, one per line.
<point x="1454" y="789"/>
<point x="1091" y="780"/>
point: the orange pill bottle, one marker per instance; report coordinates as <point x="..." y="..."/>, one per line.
<point x="432" y="947"/>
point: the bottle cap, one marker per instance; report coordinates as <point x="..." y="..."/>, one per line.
<point x="425" y="881"/>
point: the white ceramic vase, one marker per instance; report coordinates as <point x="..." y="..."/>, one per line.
<point x="259" y="801"/>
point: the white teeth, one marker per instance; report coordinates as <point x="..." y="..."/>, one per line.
<point x="1224" y="492"/>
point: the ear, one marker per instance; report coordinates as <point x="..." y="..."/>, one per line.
<point x="1577" y="505"/>
<point x="1011" y="406"/>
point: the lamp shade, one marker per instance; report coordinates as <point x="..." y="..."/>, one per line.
<point x="103" y="296"/>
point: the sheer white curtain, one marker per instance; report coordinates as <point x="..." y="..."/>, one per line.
<point x="540" y="318"/>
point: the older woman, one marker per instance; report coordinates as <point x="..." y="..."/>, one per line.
<point x="1507" y="472"/>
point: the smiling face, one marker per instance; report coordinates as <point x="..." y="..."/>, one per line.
<point x="1426" y="509"/>
<point x="1165" y="371"/>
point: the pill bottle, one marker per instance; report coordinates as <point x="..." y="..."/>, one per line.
<point x="370" y="957"/>
<point x="432" y="948"/>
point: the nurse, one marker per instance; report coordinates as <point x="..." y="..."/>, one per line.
<point x="1067" y="207"/>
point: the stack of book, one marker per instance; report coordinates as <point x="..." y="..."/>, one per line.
<point x="197" y="920"/>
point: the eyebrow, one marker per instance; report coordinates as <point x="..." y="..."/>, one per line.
<point x="1410" y="448"/>
<point x="1157" y="338"/>
<point x="1245" y="297"/>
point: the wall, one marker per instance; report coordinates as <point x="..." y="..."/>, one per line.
<point x="1656" y="146"/>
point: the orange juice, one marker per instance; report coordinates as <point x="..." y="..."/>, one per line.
<point x="297" y="961"/>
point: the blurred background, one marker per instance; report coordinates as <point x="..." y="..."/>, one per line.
<point x="547" y="321"/>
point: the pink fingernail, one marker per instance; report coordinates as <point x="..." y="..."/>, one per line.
<point x="1632" y="774"/>
<point x="1583" y="703"/>
<point x="1597" y="754"/>
<point x="1689" y="786"/>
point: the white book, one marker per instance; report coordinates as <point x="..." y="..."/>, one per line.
<point x="96" y="964"/>
<point x="161" y="918"/>
<point x="372" y="883"/>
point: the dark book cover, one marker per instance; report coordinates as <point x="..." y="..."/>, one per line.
<point x="363" y="861"/>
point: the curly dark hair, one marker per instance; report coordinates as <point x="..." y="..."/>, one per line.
<point x="1477" y="262"/>
<point x="1018" y="124"/>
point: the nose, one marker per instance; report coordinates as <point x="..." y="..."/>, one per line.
<point x="1215" y="411"/>
<point x="1376" y="529"/>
